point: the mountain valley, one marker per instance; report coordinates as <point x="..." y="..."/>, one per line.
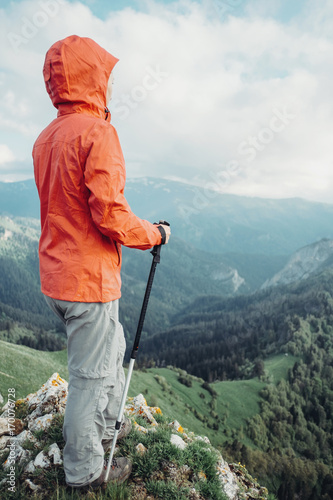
<point x="241" y="306"/>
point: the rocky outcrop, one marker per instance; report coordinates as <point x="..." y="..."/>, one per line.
<point x="40" y="413"/>
<point x="303" y="263"/>
<point x="229" y="276"/>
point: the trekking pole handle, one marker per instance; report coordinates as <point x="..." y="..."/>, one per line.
<point x="160" y="225"/>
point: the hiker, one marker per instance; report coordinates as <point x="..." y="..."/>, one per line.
<point x="80" y="176"/>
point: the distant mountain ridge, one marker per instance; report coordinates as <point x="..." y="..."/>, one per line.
<point x="19" y="199"/>
<point x="220" y="224"/>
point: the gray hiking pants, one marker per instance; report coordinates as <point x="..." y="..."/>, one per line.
<point x="96" y="347"/>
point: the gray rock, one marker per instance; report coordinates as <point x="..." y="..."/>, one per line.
<point x="178" y="441"/>
<point x="42" y="461"/>
<point x="4" y="440"/>
<point x="31" y="485"/>
<point x="30" y="468"/>
<point x="55" y="453"/>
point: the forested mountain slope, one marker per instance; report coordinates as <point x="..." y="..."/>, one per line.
<point x="217" y="338"/>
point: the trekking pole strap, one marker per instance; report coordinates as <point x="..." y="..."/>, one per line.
<point x="162" y="230"/>
<point x="163" y="234"/>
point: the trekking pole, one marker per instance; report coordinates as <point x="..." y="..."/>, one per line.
<point x="156" y="252"/>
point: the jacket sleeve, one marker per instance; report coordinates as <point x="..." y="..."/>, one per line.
<point x="105" y="178"/>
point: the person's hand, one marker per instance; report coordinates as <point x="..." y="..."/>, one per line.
<point x="167" y="232"/>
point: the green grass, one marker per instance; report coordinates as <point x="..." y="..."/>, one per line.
<point x="236" y="402"/>
<point x="278" y="366"/>
<point x="25" y="369"/>
<point x="167" y="490"/>
<point x="173" y="402"/>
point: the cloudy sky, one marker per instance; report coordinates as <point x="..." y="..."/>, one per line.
<point x="233" y="95"/>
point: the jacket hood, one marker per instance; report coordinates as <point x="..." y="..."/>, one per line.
<point x="76" y="73"/>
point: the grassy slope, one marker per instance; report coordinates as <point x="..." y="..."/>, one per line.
<point x="278" y="366"/>
<point x="26" y="370"/>
<point x="237" y="400"/>
<point x="172" y="402"/>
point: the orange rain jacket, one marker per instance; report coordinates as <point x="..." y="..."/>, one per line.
<point x="80" y="176"/>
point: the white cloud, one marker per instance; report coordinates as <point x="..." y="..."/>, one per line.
<point x="216" y="84"/>
<point x="6" y="155"/>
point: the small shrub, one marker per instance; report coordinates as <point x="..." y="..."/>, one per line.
<point x="54" y="432"/>
<point x="163" y="383"/>
<point x="211" y="490"/>
<point x="159" y="449"/>
<point x="21" y="409"/>
<point x="144" y="465"/>
<point x="210" y="389"/>
<point x="185" y="381"/>
<point x="201" y="458"/>
<point x="152" y="400"/>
